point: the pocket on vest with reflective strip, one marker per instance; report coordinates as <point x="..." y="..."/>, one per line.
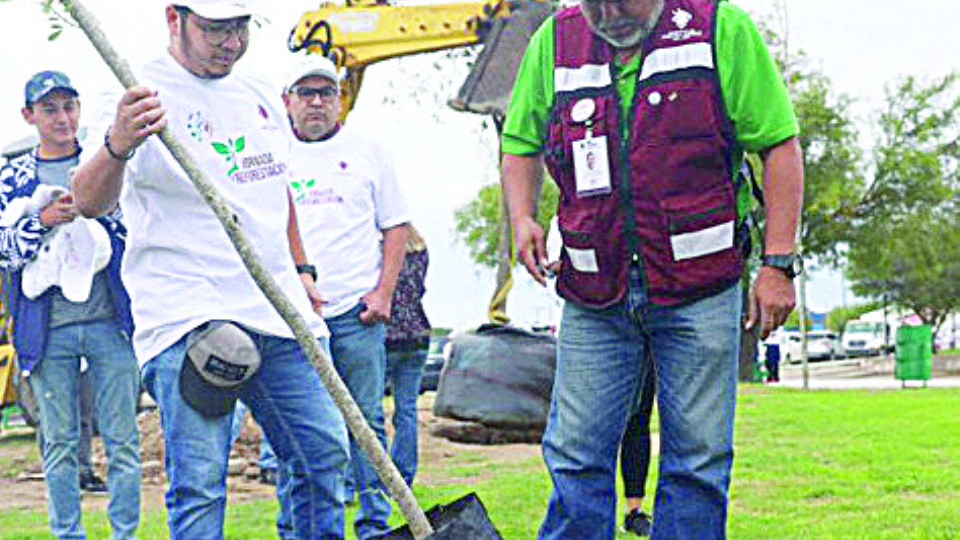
<point x="700" y="223"/>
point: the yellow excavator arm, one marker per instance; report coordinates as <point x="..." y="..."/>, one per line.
<point x="356" y="35"/>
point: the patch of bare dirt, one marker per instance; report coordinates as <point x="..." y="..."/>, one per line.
<point x="441" y="442"/>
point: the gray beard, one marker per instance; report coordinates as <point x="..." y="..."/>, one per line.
<point x="637" y="37"/>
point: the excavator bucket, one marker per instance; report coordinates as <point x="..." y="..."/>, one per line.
<point x="490" y="82"/>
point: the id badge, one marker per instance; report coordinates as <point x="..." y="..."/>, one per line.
<point x="591" y="167"/>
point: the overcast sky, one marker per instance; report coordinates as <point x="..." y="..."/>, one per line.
<point x="444" y="157"/>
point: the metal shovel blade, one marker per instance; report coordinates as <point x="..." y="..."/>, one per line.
<point x="463" y="519"/>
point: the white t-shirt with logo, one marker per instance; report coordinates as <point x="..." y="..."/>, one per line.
<point x="180" y="267"/>
<point x="346" y="193"/>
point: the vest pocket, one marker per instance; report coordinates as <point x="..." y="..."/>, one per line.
<point x="700" y="224"/>
<point x="591" y="273"/>
<point x="677" y="110"/>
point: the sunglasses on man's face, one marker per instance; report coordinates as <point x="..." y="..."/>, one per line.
<point x="310" y="92"/>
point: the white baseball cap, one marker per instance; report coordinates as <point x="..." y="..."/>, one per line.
<point x="219" y="9"/>
<point x="311" y="65"/>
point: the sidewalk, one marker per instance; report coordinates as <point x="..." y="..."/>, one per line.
<point x="874" y="382"/>
<point x="868" y="373"/>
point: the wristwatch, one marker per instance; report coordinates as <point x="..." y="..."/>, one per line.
<point x="309" y="269"/>
<point x="790" y="263"/>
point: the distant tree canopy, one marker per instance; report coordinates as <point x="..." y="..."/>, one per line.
<point x="478" y="222"/>
<point x="832" y="159"/>
<point x="906" y="241"/>
<point x="838" y="317"/>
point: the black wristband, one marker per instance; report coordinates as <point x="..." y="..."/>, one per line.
<point x="309" y="269"/>
<point x="114" y="155"/>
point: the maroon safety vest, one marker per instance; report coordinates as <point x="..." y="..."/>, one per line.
<point x="672" y="208"/>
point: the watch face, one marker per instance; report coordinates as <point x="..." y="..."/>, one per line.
<point x="791" y="265"/>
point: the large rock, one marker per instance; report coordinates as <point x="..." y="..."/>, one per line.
<point x="498" y="376"/>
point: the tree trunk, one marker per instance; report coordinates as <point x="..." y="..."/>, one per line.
<point x="749" y="343"/>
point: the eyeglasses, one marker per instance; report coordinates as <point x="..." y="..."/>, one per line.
<point x="218" y="32"/>
<point x="310" y="92"/>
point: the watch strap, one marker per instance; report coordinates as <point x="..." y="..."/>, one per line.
<point x="309" y="269"/>
<point x="789" y="263"/>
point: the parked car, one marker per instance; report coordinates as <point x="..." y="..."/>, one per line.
<point x="791" y="351"/>
<point x="823" y="345"/>
<point x="436" y="358"/>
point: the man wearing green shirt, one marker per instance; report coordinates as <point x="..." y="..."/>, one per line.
<point x="665" y="96"/>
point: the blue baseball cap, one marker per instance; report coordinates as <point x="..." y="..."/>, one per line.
<point x="45" y="82"/>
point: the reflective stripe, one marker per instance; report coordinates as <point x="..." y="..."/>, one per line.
<point x="675" y="58"/>
<point x="702" y="242"/>
<point x="587" y="76"/>
<point x="583" y="260"/>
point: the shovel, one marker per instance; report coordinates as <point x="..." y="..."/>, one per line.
<point x="465" y="518"/>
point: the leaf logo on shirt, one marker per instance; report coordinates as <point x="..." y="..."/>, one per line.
<point x="300" y="188"/>
<point x="230" y="151"/>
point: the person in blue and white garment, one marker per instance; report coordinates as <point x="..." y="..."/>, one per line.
<point x="62" y="281"/>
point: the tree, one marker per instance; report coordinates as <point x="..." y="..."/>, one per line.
<point x="832" y="158"/>
<point x="838" y="317"/>
<point x="911" y="261"/>
<point x="906" y="242"/>
<point x="833" y="182"/>
<point x="917" y="157"/>
<point x="478" y="222"/>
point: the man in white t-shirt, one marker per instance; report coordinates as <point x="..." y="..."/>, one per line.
<point x="354" y="224"/>
<point x="205" y="333"/>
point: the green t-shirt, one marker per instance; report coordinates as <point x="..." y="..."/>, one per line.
<point x="752" y="87"/>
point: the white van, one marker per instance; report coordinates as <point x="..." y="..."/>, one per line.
<point x="867" y="338"/>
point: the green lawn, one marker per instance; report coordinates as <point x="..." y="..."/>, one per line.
<point x="809" y="464"/>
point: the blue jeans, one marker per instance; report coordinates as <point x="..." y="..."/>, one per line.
<point x="360" y="358"/>
<point x="304" y="427"/>
<point x="600" y="361"/>
<point x="405" y="369"/>
<point x="55" y="382"/>
<point x="268" y="459"/>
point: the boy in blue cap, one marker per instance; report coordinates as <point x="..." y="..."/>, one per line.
<point x="61" y="273"/>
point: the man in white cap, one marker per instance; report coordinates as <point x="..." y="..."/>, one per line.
<point x="205" y="333"/>
<point x="54" y="330"/>
<point x="353" y="219"/>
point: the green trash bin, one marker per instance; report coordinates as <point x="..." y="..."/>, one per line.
<point x="914" y="353"/>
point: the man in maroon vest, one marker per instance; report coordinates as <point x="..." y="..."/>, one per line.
<point x="666" y="96"/>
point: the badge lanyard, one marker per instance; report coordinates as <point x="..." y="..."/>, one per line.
<point x="591" y="162"/>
